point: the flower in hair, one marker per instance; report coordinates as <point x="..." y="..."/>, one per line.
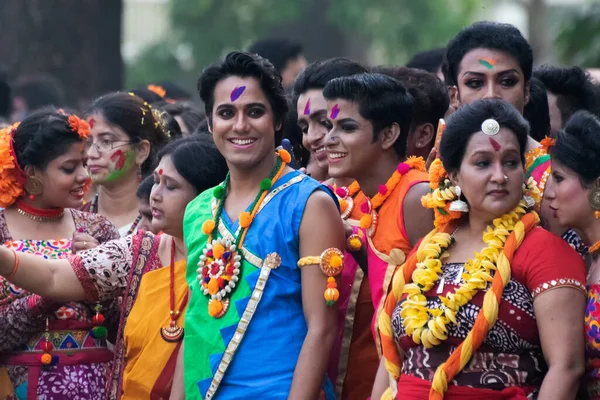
<point x="547" y="143"/>
<point x="11" y="176"/>
<point x="79" y="126"/>
<point x="157" y="89"/>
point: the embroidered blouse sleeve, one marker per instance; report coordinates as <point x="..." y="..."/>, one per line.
<point x="103" y="271"/>
<point x="21" y="318"/>
<point x="549" y="263"/>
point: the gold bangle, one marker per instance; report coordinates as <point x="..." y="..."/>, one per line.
<point x="15" y="267"/>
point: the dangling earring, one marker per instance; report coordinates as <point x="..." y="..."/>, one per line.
<point x="594" y="199"/>
<point x="139" y="174"/>
<point x="33" y="186"/>
<point x="458" y="204"/>
<point x="528" y="199"/>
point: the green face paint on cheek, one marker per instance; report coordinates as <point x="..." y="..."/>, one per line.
<point x="121" y="162"/>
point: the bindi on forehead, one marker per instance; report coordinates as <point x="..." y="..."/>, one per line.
<point x="236" y="93"/>
<point x="335" y="111"/>
<point x="91" y="122"/>
<point x="497" y="147"/>
<point x="307" y="107"/>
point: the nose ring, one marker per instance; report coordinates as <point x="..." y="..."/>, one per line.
<point x="505" y="178"/>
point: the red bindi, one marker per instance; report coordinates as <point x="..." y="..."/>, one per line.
<point x="160" y="171"/>
<point x="495" y="144"/>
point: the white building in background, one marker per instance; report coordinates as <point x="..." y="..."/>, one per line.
<point x="145" y="22"/>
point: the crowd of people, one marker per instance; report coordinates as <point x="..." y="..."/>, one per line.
<point x="319" y="231"/>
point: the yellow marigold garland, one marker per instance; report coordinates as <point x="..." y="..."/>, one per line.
<point x="429" y="325"/>
<point x="11" y="178"/>
<point x="441" y="194"/>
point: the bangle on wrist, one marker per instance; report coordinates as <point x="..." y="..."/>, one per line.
<point x="15" y="266"/>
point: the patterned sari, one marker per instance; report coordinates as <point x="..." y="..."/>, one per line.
<point x="510" y="364"/>
<point x="130" y="268"/>
<point x="83" y="361"/>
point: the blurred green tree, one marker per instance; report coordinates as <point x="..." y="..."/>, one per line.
<point x="578" y="40"/>
<point x="378" y="31"/>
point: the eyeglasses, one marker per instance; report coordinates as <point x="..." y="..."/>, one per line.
<point x="104" y="145"/>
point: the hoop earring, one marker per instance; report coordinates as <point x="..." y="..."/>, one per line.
<point x="33" y="186"/>
<point x="458" y="204"/>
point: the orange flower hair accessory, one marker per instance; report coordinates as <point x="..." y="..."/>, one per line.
<point x="158" y="90"/>
<point x="12" y="177"/>
<point x="440" y="195"/>
<point x="547" y="143"/>
<point x="79" y="126"/>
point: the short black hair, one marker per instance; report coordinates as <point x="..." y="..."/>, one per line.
<point x="536" y="111"/>
<point x="467" y="120"/>
<point x="293" y="133"/>
<point x="135" y="118"/>
<point x="381" y="99"/>
<point x="573" y="88"/>
<point x="244" y="65"/>
<point x="429" y="92"/>
<point x="277" y="51"/>
<point x="430" y="60"/>
<point x="43" y="136"/>
<point x="317" y="74"/>
<point x="185" y="154"/>
<point x="577" y="146"/>
<point x="145" y="188"/>
<point x="487" y="35"/>
<point x="190" y="114"/>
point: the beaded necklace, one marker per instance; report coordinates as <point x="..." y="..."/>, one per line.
<point x="221" y="260"/>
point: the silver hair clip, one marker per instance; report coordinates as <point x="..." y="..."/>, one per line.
<point x="490" y="127"/>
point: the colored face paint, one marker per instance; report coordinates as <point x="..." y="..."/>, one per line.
<point x="160" y="171"/>
<point x="487" y="62"/>
<point x="236" y="93"/>
<point x="121" y="161"/>
<point x="335" y="111"/>
<point x="307" y="107"/>
<point x="495" y="144"/>
<point x="92" y="122"/>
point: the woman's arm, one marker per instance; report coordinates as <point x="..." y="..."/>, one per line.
<point x="21" y="319"/>
<point x="321" y="228"/>
<point x="382" y="381"/>
<point x="99" y="273"/>
<point x="559" y="314"/>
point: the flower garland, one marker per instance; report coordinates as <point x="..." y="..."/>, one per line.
<point x="12" y="177"/>
<point x="441" y="194"/>
<point x="345" y="197"/>
<point x="429" y="325"/>
<point x="369" y="207"/>
<point x="220" y="263"/>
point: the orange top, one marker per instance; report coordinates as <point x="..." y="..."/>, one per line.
<point x="390" y="233"/>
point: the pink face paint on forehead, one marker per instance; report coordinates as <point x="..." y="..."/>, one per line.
<point x="335" y="111"/>
<point x="91" y="122"/>
<point x="307" y="107"/>
<point x="236" y="93"/>
<point x="495" y="144"/>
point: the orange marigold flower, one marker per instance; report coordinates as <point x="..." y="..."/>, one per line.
<point x="157" y="89"/>
<point x="79" y="126"/>
<point x="547" y="143"/>
<point x="11" y="181"/>
<point x="416" y="163"/>
<point x="436" y="173"/>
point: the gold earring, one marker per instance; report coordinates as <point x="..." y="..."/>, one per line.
<point x="594" y="196"/>
<point x="34" y="185"/>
